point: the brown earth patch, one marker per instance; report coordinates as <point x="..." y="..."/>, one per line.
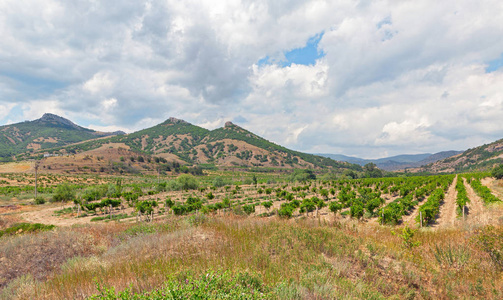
<point x="16" y="167"/>
<point x="448" y="208"/>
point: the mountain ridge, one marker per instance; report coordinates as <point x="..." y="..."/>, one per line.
<point x="178" y="140"/>
<point x="46" y="132"/>
<point x="397" y="162"/>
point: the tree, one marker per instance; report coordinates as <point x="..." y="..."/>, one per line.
<point x="324" y="193"/>
<point x="64" y="193"/>
<point x="249" y="209"/>
<point x="187" y="182"/>
<point x="308" y="205"/>
<point x="372" y="171"/>
<point x="335" y="206"/>
<point x="319" y="204"/>
<point x="267" y="205"/>
<point x="497" y="172"/>
<point x="356" y="210"/>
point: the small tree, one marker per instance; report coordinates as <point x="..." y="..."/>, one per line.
<point x="335" y="206"/>
<point x="64" y="193"/>
<point x="267" y="205"/>
<point x="324" y="193"/>
<point x="497" y="172"/>
<point x="407" y="236"/>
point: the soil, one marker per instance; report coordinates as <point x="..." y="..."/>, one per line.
<point x="478" y="214"/>
<point x="448" y="209"/>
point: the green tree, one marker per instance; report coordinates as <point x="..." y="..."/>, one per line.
<point x="335" y="206"/>
<point x="187" y="182"/>
<point x="497" y="172"/>
<point x="371" y="171"/>
<point x="64" y="193"/>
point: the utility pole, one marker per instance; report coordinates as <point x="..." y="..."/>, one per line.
<point x="36" y="171"/>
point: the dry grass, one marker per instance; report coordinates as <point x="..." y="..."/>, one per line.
<point x="297" y="259"/>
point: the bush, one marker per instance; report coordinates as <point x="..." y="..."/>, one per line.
<point x="187" y="182"/>
<point x="25" y="228"/>
<point x="207" y="286"/>
<point x="39" y="200"/>
<point x="490" y="240"/>
<point x="497" y="172"/>
<point x="64" y="193"/>
<point x="249" y="209"/>
<point x="286" y="210"/>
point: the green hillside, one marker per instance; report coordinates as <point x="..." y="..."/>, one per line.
<point x="232" y="131"/>
<point x="480" y="158"/>
<point x="47" y="132"/>
<point x="228" y="146"/>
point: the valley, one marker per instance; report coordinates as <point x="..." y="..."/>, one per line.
<point x="175" y="207"/>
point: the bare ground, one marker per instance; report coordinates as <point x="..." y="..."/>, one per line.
<point x="448" y="209"/>
<point x="496" y="186"/>
<point x="478" y="214"/>
<point x="411" y="218"/>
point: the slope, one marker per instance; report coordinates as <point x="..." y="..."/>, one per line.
<point x="231" y="145"/>
<point x="480" y="158"/>
<point x="47" y="132"/>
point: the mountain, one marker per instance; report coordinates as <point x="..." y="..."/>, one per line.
<point x="398" y="162"/>
<point x="480" y="158"/>
<point x="178" y="141"/>
<point x="47" y="132"/>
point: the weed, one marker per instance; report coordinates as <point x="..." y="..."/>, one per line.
<point x="452" y="256"/>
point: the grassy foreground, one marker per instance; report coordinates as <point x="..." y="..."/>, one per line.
<point x="205" y="257"/>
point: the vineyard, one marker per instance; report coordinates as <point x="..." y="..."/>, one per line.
<point x="265" y="235"/>
<point x="391" y="201"/>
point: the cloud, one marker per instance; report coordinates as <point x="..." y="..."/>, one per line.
<point x="395" y="76"/>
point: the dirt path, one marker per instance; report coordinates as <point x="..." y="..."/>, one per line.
<point x="494" y="185"/>
<point x="411" y="218"/>
<point x="478" y="214"/>
<point x="46" y="216"/>
<point x="448" y="209"/>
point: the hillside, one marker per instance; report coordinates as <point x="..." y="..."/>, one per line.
<point x="480" y="158"/>
<point x="179" y="141"/>
<point x="398" y="162"/>
<point x="47" y="132"/>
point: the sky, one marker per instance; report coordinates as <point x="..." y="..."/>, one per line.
<point x="361" y="78"/>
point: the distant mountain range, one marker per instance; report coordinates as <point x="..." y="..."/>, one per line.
<point x="183" y="143"/>
<point x="399" y="162"/>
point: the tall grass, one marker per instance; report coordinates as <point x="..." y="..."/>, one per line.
<point x="293" y="259"/>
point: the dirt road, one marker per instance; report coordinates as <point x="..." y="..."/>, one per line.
<point x="448" y="209"/>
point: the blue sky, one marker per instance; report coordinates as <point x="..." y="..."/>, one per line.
<point x="360" y="78"/>
<point x="495" y="65"/>
<point x="307" y="55"/>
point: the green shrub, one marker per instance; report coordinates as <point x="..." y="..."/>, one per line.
<point x="208" y="286"/>
<point x="39" y="200"/>
<point x="497" y="172"/>
<point x="25" y="228"/>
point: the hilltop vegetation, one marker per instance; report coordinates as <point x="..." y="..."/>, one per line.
<point x="47" y="132"/>
<point x="480" y="158"/>
<point x="181" y="142"/>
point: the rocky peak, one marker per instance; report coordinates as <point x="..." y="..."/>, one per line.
<point x="55" y="119"/>
<point x="177" y="121"/>
<point x="229" y="124"/>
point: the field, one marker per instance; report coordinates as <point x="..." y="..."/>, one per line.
<point x="261" y="235"/>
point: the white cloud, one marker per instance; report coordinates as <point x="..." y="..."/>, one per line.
<point x="406" y="76"/>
